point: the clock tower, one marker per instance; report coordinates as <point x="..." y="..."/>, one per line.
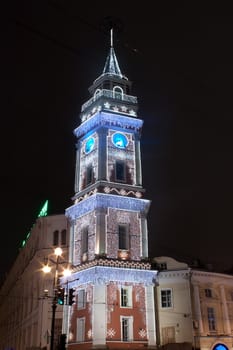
<point x="111" y="275"/>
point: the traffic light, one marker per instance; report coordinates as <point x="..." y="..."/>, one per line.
<point x="71" y="296"/>
<point x="61" y="296"/>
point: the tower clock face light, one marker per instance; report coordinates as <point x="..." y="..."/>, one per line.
<point x="89" y="145"/>
<point x="119" y="140"/>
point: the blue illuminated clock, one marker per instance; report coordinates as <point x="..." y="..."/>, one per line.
<point x="89" y="145"/>
<point x="119" y="140"/>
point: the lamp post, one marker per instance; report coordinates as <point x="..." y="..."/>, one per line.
<point x="46" y="269"/>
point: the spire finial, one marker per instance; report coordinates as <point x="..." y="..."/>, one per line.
<point x="111" y="33"/>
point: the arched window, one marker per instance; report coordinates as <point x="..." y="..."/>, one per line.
<point x="63" y="237"/>
<point x="97" y="94"/>
<point x="55" y="237"/>
<point x="118" y="92"/>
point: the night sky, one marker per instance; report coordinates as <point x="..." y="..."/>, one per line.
<point x="179" y="58"/>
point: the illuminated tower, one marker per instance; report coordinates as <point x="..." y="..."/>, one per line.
<point x="112" y="278"/>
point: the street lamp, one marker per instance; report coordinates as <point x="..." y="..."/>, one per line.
<point x="46" y="269"/>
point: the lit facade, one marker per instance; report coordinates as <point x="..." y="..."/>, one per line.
<point x="26" y="295"/>
<point x="173" y="303"/>
<point x="194" y="307"/>
<point x="112" y="278"/>
<point x="212" y="310"/>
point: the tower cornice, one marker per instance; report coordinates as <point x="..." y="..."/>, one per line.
<point x="100" y="200"/>
<point x="109" y="120"/>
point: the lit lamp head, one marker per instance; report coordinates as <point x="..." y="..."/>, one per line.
<point x="66" y="272"/>
<point x="46" y="268"/>
<point x="58" y="251"/>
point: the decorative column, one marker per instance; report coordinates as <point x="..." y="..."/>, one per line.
<point x="226" y="320"/>
<point x="144" y="243"/>
<point x="99" y="315"/>
<point x="150" y="311"/>
<point x="197" y="306"/>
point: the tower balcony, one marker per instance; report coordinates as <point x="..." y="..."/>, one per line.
<point x="109" y="100"/>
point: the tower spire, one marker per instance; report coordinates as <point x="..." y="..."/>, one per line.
<point x="111" y="65"/>
<point x="111" y="37"/>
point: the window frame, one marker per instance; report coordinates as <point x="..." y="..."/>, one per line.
<point x="208" y="293"/>
<point x="123" y="237"/>
<point x="89" y="174"/>
<point x="129" y="325"/>
<point x="211" y="319"/>
<point x="81" y="299"/>
<point x="166" y="300"/>
<point x="63" y="237"/>
<point x="126" y="297"/>
<point x="120" y="168"/>
<point x="56" y="238"/>
<point x="80" y="329"/>
<point x="84" y="240"/>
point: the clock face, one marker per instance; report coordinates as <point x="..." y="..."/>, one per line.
<point x="119" y="140"/>
<point x="89" y="145"/>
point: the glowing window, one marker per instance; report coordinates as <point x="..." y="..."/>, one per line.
<point x="89" y="145"/>
<point x="119" y="140"/>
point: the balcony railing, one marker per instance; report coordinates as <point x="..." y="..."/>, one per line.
<point x="109" y="94"/>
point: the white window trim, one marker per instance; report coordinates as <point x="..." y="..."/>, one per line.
<point x="161" y="305"/>
<point x="80" y="320"/>
<point x="129" y="295"/>
<point x="130" y="318"/>
<point x="83" y="305"/>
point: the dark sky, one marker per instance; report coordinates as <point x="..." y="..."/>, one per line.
<point x="179" y="58"/>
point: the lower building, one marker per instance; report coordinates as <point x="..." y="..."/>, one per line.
<point x="212" y="303"/>
<point x="194" y="307"/>
<point x="27" y="293"/>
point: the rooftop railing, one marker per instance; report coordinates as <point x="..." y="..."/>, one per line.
<point x="109" y="94"/>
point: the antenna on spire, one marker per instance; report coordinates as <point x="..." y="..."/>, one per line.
<point x="111" y="37"/>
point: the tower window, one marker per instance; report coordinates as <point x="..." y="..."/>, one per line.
<point x="123" y="233"/>
<point x="89" y="175"/>
<point x="84" y="240"/>
<point x="211" y="318"/>
<point x="63" y="237"/>
<point x="118" y="92"/>
<point x="120" y="170"/>
<point x="56" y="238"/>
<point x="126" y="296"/>
<point x="166" y="298"/>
